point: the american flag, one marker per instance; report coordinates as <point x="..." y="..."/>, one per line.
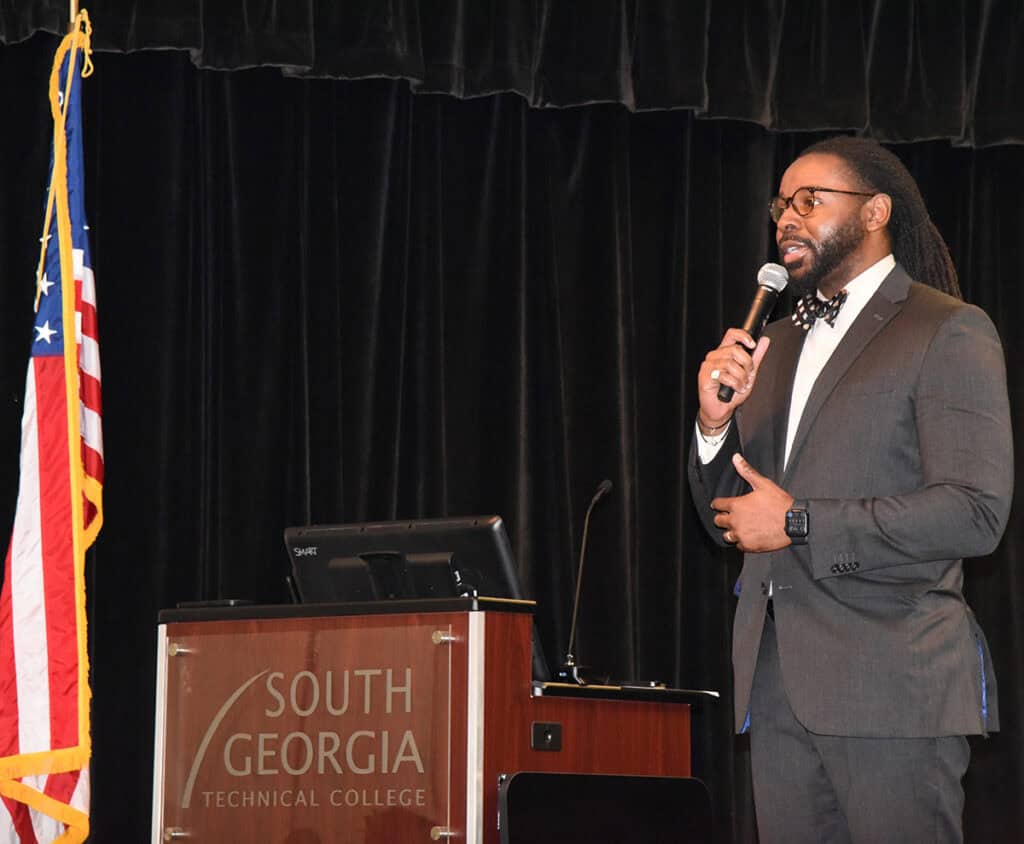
<point x="44" y="673"/>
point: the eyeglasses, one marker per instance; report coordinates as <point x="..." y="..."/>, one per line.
<point x="803" y="201"/>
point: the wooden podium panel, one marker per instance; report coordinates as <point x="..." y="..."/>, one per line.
<point x="381" y="728"/>
<point x="597" y="735"/>
<point x="280" y="730"/>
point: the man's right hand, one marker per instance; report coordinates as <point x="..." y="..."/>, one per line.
<point x="734" y="363"/>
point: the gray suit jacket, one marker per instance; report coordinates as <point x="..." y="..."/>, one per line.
<point x="904" y="452"/>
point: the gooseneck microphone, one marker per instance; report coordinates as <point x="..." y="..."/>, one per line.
<point x="569" y="669"/>
<point x="771" y="281"/>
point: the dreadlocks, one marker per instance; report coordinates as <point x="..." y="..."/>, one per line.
<point x="916" y="243"/>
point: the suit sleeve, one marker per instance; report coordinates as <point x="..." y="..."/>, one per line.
<point x="715" y="479"/>
<point x="961" y="507"/>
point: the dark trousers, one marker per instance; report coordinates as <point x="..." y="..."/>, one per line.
<point x="813" y="789"/>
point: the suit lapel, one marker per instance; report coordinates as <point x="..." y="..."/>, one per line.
<point x="880" y="309"/>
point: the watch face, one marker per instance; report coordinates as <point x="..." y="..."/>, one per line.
<point x="796" y="523"/>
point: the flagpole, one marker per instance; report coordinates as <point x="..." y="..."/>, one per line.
<point x="74" y="12"/>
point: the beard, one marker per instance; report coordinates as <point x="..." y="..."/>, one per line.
<point x="825" y="256"/>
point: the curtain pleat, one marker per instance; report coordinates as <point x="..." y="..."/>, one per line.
<point x="902" y="70"/>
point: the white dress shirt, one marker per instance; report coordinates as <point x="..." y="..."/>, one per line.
<point x="821" y="341"/>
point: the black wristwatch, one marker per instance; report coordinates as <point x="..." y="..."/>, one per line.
<point x="798" y="523"/>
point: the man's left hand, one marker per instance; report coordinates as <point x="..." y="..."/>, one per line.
<point x="755" y="521"/>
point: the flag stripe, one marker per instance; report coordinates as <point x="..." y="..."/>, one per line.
<point x="92" y="430"/>
<point x="62" y="786"/>
<point x="21" y="821"/>
<point x="8" y="677"/>
<point x="89" y="354"/>
<point x="28" y="621"/>
<point x="93" y="462"/>
<point x="84" y="274"/>
<point x="61" y="642"/>
<point x="91" y="394"/>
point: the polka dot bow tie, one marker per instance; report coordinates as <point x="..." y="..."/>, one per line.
<point x="810" y="307"/>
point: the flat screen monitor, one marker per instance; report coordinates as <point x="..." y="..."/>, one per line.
<point x="384" y="561"/>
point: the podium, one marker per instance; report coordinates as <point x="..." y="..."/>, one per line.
<point x="386" y="723"/>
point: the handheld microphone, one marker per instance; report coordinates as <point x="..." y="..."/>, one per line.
<point x="771" y="281"/>
<point x="569" y="669"/>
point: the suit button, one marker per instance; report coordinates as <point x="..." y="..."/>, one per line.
<point x="834" y="569"/>
<point x="854" y="566"/>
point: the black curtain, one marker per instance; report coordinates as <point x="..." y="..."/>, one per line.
<point x="906" y="69"/>
<point x="329" y="301"/>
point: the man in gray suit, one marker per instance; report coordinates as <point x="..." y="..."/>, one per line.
<point x="866" y="451"/>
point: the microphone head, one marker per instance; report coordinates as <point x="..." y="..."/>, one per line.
<point x="773" y="276"/>
<point x="602" y="490"/>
